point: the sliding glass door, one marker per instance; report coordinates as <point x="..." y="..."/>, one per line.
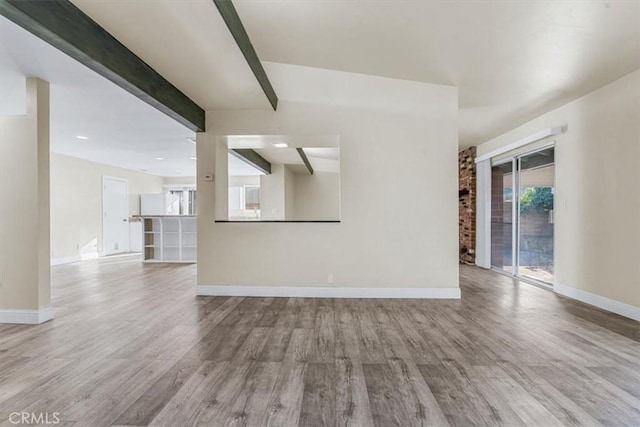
<point x="502" y="216"/>
<point x="522" y="201"/>
<point x="535" y="215"/>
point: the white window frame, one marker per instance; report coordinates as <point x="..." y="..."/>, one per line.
<point x="244" y="197"/>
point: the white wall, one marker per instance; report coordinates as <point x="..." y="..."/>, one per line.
<point x="272" y="194"/>
<point x="24" y="207"/>
<point x="398" y="147"/>
<point x="317" y="196"/>
<point x="289" y="194"/>
<point x="597" y="233"/>
<point x="179" y="180"/>
<point x="241" y="181"/>
<point x="76" y="202"/>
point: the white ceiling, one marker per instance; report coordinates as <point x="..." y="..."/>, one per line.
<point x="323" y="159"/>
<point x="239" y="167"/>
<point x="323" y="152"/>
<point x="267" y="141"/>
<point x="121" y="130"/>
<point x="512" y="60"/>
<point x="280" y="156"/>
<point x="188" y="43"/>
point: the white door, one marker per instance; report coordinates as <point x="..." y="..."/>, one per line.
<point x="115" y="215"/>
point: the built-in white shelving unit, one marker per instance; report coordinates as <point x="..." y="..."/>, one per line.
<point x="169" y="238"/>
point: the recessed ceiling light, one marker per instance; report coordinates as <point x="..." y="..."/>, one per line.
<point x="280" y="144"/>
<point x="81" y="137"/>
<point x="193" y="158"/>
<point x="159" y="158"/>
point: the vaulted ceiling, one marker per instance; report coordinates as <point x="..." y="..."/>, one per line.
<point x="511" y="61"/>
<point x="188" y="43"/>
<point x="120" y="129"/>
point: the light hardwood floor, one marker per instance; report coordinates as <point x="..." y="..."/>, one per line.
<point x="132" y="345"/>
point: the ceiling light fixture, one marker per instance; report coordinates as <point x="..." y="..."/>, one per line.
<point x="159" y="158"/>
<point x="81" y="137"/>
<point x="280" y="144"/>
<point x="193" y="158"/>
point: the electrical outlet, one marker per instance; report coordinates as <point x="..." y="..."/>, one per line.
<point x="330" y="278"/>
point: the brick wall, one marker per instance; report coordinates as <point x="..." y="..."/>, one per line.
<point x="467" y="205"/>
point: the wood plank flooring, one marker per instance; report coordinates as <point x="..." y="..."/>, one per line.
<point x="131" y="345"/>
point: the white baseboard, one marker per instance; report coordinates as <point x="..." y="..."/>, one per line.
<point x="327" y="292"/>
<point x="73" y="258"/>
<point x="617" y="307"/>
<point x="29" y="317"/>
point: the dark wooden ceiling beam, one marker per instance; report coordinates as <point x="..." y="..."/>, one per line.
<point x="64" y="26"/>
<point x="252" y="158"/>
<point x="305" y="159"/>
<point x="231" y="18"/>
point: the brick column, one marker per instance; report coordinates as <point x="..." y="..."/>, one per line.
<point x="467" y="205"/>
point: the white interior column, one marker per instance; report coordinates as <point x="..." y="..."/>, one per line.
<point x="25" y="274"/>
<point x="207" y="180"/>
<point x="221" y="173"/>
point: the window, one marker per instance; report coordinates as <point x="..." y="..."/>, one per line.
<point x="181" y="202"/>
<point x="508" y="193"/>
<point x="251" y="197"/>
<point x="244" y="202"/>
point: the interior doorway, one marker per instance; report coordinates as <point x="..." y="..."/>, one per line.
<point x="522" y="225"/>
<point x="115" y="215"/>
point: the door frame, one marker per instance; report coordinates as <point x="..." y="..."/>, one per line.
<point x="515" y="238"/>
<point x="104" y="240"/>
<point x="514" y="215"/>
